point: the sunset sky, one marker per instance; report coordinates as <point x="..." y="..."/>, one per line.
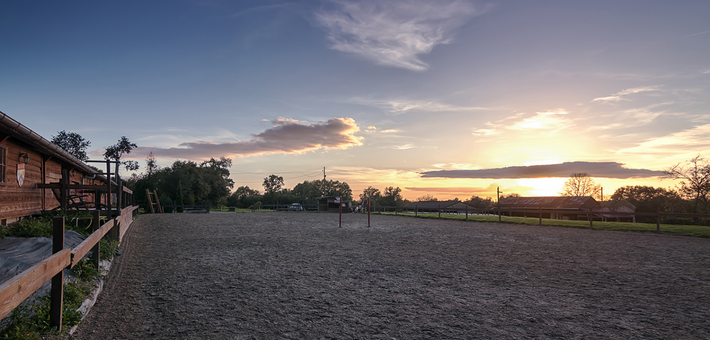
<point x="448" y="98"/>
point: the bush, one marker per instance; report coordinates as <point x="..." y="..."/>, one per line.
<point x="31" y="319"/>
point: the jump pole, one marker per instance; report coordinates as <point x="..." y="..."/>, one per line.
<point x="368" y="212"/>
<point x="340" y="212"/>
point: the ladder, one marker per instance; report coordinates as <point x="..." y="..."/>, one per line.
<point x="154" y="207"/>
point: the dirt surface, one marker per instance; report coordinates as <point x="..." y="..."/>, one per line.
<point x="298" y="276"/>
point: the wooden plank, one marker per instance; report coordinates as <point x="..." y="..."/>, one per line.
<point x="21" y="286"/>
<point x="57" y="292"/>
<point x="84" y="247"/>
<point x="127" y="220"/>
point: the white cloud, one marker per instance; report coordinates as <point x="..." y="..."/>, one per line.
<point x="393" y="33"/>
<point x="633" y="117"/>
<point x="620" y="95"/>
<point x="397" y="107"/>
<point x="552" y="121"/>
<point x="549" y="120"/>
<point x="694" y="140"/>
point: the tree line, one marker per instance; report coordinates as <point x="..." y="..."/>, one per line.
<point x="208" y="182"/>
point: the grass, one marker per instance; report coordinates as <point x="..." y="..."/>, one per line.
<point x="671" y="229"/>
<point x="30" y="320"/>
<point x="41" y="226"/>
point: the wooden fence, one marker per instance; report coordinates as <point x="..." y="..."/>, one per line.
<point x="14" y="291"/>
<point x="581" y="215"/>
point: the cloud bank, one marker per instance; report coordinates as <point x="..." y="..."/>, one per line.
<point x="393" y="33"/>
<point x="286" y="136"/>
<point x="594" y="169"/>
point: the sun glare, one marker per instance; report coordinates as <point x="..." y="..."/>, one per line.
<point x="550" y="186"/>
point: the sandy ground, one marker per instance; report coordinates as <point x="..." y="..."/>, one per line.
<point x="298" y="276"/>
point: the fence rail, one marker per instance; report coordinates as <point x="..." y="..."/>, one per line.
<point x="15" y="290"/>
<point x="581" y="215"/>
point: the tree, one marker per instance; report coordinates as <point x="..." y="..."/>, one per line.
<point x="372" y="193"/>
<point x="695" y="180"/>
<point x="427" y="198"/>
<point x="151" y="164"/>
<point x="336" y="189"/>
<point x="243" y="197"/>
<point x="392" y="197"/>
<point x="581" y="184"/>
<point x="73" y="143"/>
<point x="123" y="147"/>
<point x="273" y="184"/>
<point x="647" y="198"/>
<point x="480" y="203"/>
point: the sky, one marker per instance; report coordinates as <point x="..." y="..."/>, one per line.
<point x="445" y="98"/>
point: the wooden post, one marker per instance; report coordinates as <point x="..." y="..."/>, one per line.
<point x="64" y="190"/>
<point x="157" y="201"/>
<point x="466" y="213"/>
<point x="498" y="202"/>
<point x="438" y="206"/>
<point x="108" y="191"/>
<point x="368" y="212"/>
<point x="95" y="256"/>
<point x="540" y="215"/>
<point x="57" y="290"/>
<point x="150" y="202"/>
<point x="591" y="226"/>
<point x="415" y="210"/>
<point x="658" y="220"/>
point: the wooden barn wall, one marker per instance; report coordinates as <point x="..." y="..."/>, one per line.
<point x="26" y="200"/>
<point x="18" y="201"/>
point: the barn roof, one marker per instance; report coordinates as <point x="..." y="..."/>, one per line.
<point x="553" y="202"/>
<point x="12" y="128"/>
<point x="458" y="205"/>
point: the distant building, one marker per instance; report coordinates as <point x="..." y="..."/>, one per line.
<point x="329" y="204"/>
<point x="436" y="206"/>
<point x="568" y="208"/>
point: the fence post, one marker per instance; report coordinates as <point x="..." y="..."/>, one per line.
<point x="540" y="215"/>
<point x="591" y="226"/>
<point x="438" y="206"/>
<point x="97" y="248"/>
<point x="466" y="213"/>
<point x="57" y="290"/>
<point x="658" y="220"/>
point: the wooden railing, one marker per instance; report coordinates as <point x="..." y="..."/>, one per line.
<point x="14" y="291"/>
<point x="580" y="215"/>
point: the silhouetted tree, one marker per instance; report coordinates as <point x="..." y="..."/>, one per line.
<point x="695" y="181"/>
<point x="581" y="184"/>
<point x="73" y="143"/>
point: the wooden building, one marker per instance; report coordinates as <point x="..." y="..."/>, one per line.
<point x="329" y="204"/>
<point x="439" y="206"/>
<point x="31" y="171"/>
<point x="567" y="208"/>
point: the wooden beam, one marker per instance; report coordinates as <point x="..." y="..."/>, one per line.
<point x="84" y="247"/>
<point x="21" y="286"/>
<point x="57" y="293"/>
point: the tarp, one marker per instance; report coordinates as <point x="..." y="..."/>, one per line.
<point x="17" y="254"/>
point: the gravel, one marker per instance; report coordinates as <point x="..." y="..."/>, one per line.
<point x="296" y="275"/>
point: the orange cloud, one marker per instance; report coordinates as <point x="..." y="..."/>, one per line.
<point x="286" y="136"/>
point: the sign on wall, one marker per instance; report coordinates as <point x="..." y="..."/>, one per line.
<point x="20" y="173"/>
